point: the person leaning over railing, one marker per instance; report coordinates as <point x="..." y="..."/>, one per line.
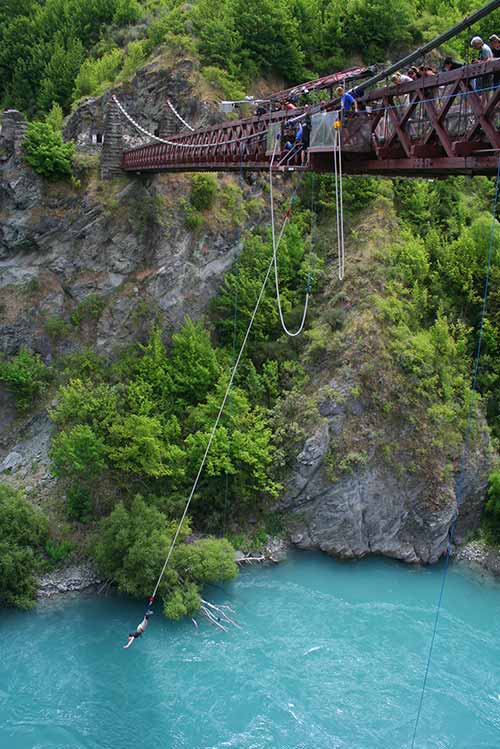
<point x="494" y="41"/>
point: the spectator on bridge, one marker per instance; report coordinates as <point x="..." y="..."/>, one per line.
<point x="426" y="71"/>
<point x="305" y="138"/>
<point x="414" y="73"/>
<point x="399" y="78"/>
<point x="485" y="54"/>
<point x="289" y="105"/>
<point x="450" y="64"/>
<point x="494" y="41"/>
<point x="347" y="100"/>
<point x="484" y="50"/>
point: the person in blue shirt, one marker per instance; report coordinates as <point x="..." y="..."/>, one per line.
<point x="347" y="100"/>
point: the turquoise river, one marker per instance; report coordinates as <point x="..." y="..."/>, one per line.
<point x="330" y="655"/>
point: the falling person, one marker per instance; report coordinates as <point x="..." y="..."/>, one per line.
<point x="140" y="629"/>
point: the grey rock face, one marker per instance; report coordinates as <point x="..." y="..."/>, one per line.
<point x="373" y="509"/>
<point x="75" y="578"/>
<point x="125" y="242"/>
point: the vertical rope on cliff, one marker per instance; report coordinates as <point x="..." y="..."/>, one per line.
<point x="460" y="479"/>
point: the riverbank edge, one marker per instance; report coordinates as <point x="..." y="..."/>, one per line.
<point x="77" y="578"/>
<point x="479" y="554"/>
<point x="82" y="577"/>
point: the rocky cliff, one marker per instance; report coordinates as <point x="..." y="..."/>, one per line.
<point x="363" y="477"/>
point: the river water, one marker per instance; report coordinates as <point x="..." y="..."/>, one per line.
<point x="330" y="655"/>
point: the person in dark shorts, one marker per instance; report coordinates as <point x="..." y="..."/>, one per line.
<point x="140" y="629"/>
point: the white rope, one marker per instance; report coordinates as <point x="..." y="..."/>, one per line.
<point x="174" y="110"/>
<point x="339" y="199"/>
<point x="275" y="259"/>
<point x="221" y="409"/>
<point x="184" y="145"/>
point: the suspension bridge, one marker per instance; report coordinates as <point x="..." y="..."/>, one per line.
<point x="446" y="124"/>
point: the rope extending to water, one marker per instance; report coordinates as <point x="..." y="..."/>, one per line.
<point x="221" y="409"/>
<point x="461" y="475"/>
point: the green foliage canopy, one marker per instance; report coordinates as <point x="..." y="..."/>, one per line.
<point x="23" y="534"/>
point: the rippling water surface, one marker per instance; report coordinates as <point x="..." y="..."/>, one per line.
<point x="330" y="655"/>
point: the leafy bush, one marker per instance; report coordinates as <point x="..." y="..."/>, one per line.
<point x="97" y="75"/>
<point x="26" y="376"/>
<point x="491" y="517"/>
<point x="203" y="191"/>
<point x="23" y="534"/>
<point x="57" y="327"/>
<point x="58" y="551"/>
<point x="132" y="546"/>
<point x="134" y="59"/>
<point x="91" y="308"/>
<point x="46" y="152"/>
<point x="79" y="504"/>
<point x="79" y="453"/>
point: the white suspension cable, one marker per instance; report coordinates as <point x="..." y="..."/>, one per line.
<point x="219" y="414"/>
<point x="184" y="145"/>
<point x="275" y="258"/>
<point x="174" y="110"/>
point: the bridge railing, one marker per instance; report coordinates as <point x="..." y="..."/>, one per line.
<point x="450" y="115"/>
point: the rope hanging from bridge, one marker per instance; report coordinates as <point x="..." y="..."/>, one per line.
<point x="222" y="406"/>
<point x="461" y="475"/>
<point x="339" y="195"/>
<point x="299" y="330"/>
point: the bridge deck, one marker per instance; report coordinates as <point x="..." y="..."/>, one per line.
<point x="439" y="125"/>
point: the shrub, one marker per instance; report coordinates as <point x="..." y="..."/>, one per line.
<point x="55" y="118"/>
<point x="23" y="534"/>
<point x="46" y="152"/>
<point x="193" y="219"/>
<point x="203" y="191"/>
<point x="58" y="551"/>
<point x="79" y="453"/>
<point x="96" y="75"/>
<point x="79" y="504"/>
<point x="91" y="308"/>
<point x="57" y="327"/>
<point x="135" y="57"/>
<point x="25" y="375"/>
<point x="127" y="12"/>
<point x="491" y="519"/>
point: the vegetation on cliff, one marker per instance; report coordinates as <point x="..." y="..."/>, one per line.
<point x="131" y="432"/>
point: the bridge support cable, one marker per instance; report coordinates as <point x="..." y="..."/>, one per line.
<point x="174" y="110"/>
<point x="461" y="475"/>
<point x="291" y="334"/>
<point x="177" y="144"/>
<point x="221" y="408"/>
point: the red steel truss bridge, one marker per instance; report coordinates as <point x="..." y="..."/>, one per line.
<point x="446" y="124"/>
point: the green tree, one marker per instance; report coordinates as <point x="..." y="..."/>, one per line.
<point x="46" y="152"/>
<point x="26" y="376"/>
<point x="23" y="534"/>
<point x="193" y="364"/>
<point x="133" y="544"/>
<point x="143" y="446"/>
<point x="79" y="454"/>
